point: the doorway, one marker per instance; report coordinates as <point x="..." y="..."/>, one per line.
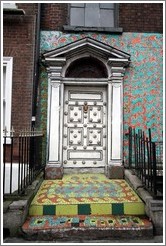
<point x="85" y="127"/>
<point x="85" y="107"/>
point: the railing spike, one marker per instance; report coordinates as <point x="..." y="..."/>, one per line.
<point x="12" y="131"/>
<point x="5" y="131"/>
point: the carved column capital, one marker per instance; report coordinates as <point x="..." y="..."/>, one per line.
<point x="54" y="66"/>
<point x="117" y="69"/>
<point x="54" y="72"/>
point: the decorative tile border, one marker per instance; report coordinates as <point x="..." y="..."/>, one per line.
<point x="104" y="221"/>
<point x="135" y="208"/>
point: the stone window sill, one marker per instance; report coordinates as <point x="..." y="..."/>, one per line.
<point x="13" y="11"/>
<point x="117" y="30"/>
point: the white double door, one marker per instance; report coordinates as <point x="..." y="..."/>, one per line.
<point x="85" y="127"/>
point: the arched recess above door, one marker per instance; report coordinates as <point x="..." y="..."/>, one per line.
<point x="62" y="60"/>
<point x="86" y="67"/>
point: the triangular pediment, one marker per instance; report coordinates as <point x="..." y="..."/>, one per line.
<point x="86" y="45"/>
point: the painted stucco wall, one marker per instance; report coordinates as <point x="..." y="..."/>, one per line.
<point x="143" y="81"/>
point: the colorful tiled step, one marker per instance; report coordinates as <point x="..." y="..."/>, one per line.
<point x="93" y="227"/>
<point x="86" y="194"/>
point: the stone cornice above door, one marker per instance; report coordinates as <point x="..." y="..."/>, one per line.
<point x="83" y="48"/>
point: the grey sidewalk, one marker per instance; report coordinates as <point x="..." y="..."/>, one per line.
<point x="156" y="239"/>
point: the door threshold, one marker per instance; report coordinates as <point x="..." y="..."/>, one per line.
<point x="84" y="170"/>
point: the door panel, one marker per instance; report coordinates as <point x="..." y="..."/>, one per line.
<point x="85" y="131"/>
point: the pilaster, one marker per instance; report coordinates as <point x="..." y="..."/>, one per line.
<point x="115" y="117"/>
<point x="54" y="169"/>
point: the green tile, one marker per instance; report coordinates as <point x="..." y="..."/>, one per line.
<point x="117" y="209"/>
<point x="84" y="209"/>
<point x="49" y="210"/>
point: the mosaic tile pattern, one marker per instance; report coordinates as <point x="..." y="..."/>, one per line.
<point x="54" y="39"/>
<point x="85" y="194"/>
<point x="61" y="222"/>
<point x="143" y="81"/>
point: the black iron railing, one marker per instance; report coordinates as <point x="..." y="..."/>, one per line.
<point x="22" y="159"/>
<point x="146" y="159"/>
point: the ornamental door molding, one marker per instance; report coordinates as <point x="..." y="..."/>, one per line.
<point x="57" y="62"/>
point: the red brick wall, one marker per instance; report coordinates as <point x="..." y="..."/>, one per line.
<point x="133" y="17"/>
<point x="19" y="42"/>
<point x="141" y="17"/>
<point x="54" y="16"/>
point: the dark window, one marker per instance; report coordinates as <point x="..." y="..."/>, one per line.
<point x="93" y="14"/>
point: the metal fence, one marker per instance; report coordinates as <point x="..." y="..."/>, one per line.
<point x="22" y="159"/>
<point x="146" y="159"/>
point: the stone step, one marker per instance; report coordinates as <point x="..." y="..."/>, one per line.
<point x="86" y="227"/>
<point x="86" y="194"/>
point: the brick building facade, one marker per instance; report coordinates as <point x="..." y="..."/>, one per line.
<point x="39" y="28"/>
<point x="19" y="42"/>
<point x="82" y="74"/>
<point x="137" y="17"/>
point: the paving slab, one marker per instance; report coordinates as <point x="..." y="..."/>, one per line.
<point x="138" y="241"/>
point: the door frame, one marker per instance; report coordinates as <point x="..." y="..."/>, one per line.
<point x="55" y="121"/>
<point x="57" y="62"/>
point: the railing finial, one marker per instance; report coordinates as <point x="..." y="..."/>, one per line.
<point x="5" y="131"/>
<point x="12" y="131"/>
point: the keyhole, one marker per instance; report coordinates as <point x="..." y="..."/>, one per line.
<point x="85" y="107"/>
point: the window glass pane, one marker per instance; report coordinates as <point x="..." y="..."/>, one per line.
<point x="106" y="18"/>
<point x="106" y="5"/>
<point x="9" y="6"/>
<point x="7" y="90"/>
<point x="77" y="5"/>
<point x="77" y="16"/>
<point x="4" y="81"/>
<point x="4" y="99"/>
<point x="92" y="17"/>
<point x="4" y="113"/>
<point x="92" y="5"/>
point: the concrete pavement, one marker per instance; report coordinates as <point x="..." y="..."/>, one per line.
<point x="156" y="239"/>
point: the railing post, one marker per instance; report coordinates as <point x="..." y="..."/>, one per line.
<point x="135" y="150"/>
<point x="143" y="157"/>
<point x="140" y="167"/>
<point x="19" y="163"/>
<point x="150" y="159"/>
<point x="11" y="158"/>
<point x="4" y="159"/>
<point x="22" y="158"/>
<point x="154" y="168"/>
<point x="130" y="147"/>
<point x="31" y="153"/>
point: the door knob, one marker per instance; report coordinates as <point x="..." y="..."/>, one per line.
<point x="85" y="107"/>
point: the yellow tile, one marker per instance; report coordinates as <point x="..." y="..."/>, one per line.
<point x="36" y="210"/>
<point x="101" y="209"/>
<point x="134" y="208"/>
<point x="66" y="209"/>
